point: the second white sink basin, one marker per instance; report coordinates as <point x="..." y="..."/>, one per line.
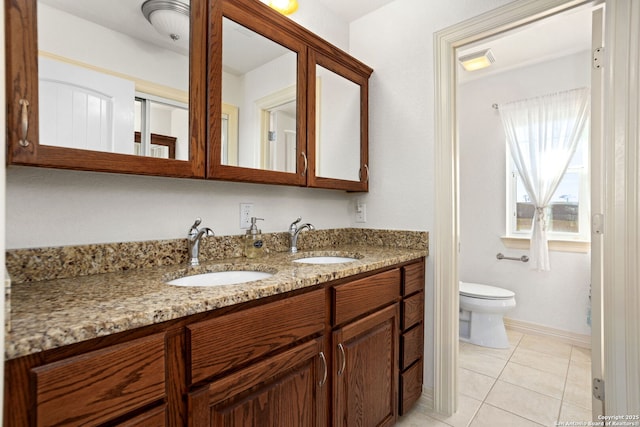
<point x="325" y="260"/>
<point x="219" y="278"/>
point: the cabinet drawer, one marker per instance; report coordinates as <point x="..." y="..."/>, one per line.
<point x="410" y="387"/>
<point x="412" y="310"/>
<point x="156" y="417"/>
<point x="411" y="346"/>
<point x="361" y="296"/>
<point x="413" y="278"/>
<point x="101" y="385"/>
<point x="221" y="344"/>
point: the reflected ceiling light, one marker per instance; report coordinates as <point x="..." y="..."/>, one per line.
<point x="286" y="7"/>
<point x="169" y="17"/>
<point x="477" y="60"/>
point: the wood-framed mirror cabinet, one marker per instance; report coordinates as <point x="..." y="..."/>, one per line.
<point x="208" y="121"/>
<point x="27" y="143"/>
<point x="270" y="157"/>
<point x="339" y="136"/>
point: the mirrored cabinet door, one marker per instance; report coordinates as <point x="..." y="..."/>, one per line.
<point x="96" y="86"/>
<point x="257" y="106"/>
<point x="338" y="124"/>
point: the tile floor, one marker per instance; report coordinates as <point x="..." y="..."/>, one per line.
<point x="538" y="381"/>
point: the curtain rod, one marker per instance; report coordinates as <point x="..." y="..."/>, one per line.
<point x="495" y="106"/>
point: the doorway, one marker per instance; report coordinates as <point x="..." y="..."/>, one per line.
<point x="447" y="169"/>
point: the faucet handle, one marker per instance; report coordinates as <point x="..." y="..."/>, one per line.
<point x="293" y="226"/>
<point x="194" y="228"/>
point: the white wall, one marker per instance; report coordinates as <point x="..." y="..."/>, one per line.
<point x="66" y="35"/>
<point x="397" y="42"/>
<point x="56" y="207"/>
<point x="48" y="207"/>
<point x="268" y="79"/>
<point x="557" y="298"/>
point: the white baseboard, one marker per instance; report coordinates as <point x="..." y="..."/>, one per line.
<point x="567" y="337"/>
<point x="426" y="400"/>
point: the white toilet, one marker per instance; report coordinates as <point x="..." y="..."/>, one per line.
<point x="481" y="311"/>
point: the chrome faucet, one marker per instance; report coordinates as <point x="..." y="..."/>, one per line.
<point x="294" y="230"/>
<point x="194" y="237"/>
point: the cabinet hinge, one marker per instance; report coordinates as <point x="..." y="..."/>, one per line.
<point x="597" y="224"/>
<point x="598" y="58"/>
<point x="598" y="389"/>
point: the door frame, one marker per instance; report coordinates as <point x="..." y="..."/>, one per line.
<point x="622" y="237"/>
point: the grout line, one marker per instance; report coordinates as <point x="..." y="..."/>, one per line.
<point x="517" y="344"/>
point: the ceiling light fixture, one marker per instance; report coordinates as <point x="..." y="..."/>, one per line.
<point x="285" y="7"/>
<point x="477" y="60"/>
<point x="169" y="17"/>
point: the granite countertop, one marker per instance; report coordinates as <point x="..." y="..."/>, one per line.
<point x="52" y="313"/>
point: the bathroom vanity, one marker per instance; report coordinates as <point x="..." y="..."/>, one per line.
<point x="333" y="344"/>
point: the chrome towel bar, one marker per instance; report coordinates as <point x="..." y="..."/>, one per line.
<point x="523" y="258"/>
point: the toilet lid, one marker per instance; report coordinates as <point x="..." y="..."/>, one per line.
<point x="476" y="290"/>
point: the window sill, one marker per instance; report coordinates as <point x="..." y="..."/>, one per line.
<point x="579" y="246"/>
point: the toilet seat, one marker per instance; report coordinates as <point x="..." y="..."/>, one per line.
<point x="476" y="290"/>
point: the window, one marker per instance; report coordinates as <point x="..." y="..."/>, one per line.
<point x="568" y="213"/>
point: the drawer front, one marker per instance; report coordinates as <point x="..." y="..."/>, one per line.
<point x="412" y="310"/>
<point x="411" y="346"/>
<point x="221" y="344"/>
<point x="413" y="278"/>
<point x="156" y="417"/>
<point x="101" y="385"/>
<point x="364" y="295"/>
<point x="410" y="387"/>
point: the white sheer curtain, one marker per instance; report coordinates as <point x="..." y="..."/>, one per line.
<point x="543" y="133"/>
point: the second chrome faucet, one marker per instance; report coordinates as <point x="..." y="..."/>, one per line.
<point x="194" y="237"/>
<point x="294" y="230"/>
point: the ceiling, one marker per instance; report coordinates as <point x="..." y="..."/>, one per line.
<point x="350" y="10"/>
<point x="559" y="35"/>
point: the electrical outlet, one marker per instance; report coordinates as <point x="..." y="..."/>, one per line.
<point x="246" y="212"/>
<point x="361" y="211"/>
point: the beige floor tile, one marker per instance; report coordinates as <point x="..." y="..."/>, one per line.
<point x="514" y="337"/>
<point x="578" y="395"/>
<point x="490" y="416"/>
<point x="579" y="373"/>
<point x="481" y="363"/>
<point x="570" y="412"/>
<point x="500" y="353"/>
<point x="473" y="384"/>
<point x="580" y="354"/>
<point x="525" y="403"/>
<point x="467" y="408"/>
<point x="544" y="362"/>
<point x="418" y="419"/>
<point x="545" y="345"/>
<point x="533" y="379"/>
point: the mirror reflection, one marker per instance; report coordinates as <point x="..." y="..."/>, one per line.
<point x="259" y="100"/>
<point x="337" y="129"/>
<point x="111" y="81"/>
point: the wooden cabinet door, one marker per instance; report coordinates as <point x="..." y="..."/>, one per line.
<point x="289" y="389"/>
<point x="365" y="370"/>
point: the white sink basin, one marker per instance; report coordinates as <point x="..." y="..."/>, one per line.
<point x="220" y="278"/>
<point x="325" y="260"/>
